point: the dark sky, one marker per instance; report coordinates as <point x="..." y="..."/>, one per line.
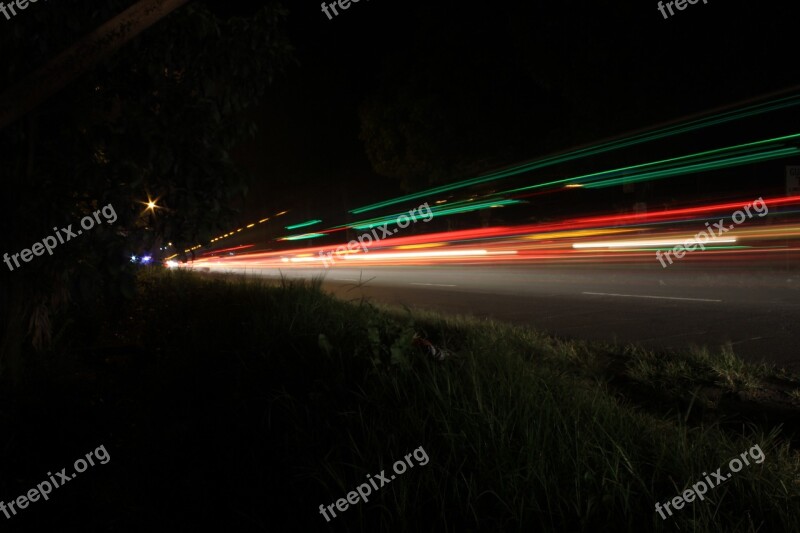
<point x="518" y="79"/>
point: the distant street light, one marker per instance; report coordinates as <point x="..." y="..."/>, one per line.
<point x="151" y="205"/>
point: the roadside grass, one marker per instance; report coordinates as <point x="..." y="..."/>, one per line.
<point x="707" y="387"/>
<point x="288" y="398"/>
<point x="725" y="370"/>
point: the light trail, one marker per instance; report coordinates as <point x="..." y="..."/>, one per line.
<point x="605" y="238"/>
<point x="644" y="243"/>
<point x="693" y="125"/>
<point x="708" y="160"/>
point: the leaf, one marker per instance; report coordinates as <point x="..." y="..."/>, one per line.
<point x="324" y="344"/>
<point x="399" y="357"/>
<point x="374" y="338"/>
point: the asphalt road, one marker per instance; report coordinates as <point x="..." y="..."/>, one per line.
<point x="757" y="311"/>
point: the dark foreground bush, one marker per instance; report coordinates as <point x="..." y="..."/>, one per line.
<point x="234" y="406"/>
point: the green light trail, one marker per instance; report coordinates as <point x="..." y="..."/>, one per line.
<point x="458" y="207"/>
<point x="718" y="158"/>
<point x="693" y="125"/>
<point x="750" y="155"/>
<point x="303" y="224"/>
<point x="302" y="237"/>
<point x="689" y="169"/>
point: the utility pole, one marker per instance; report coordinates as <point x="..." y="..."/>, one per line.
<point x="26" y="95"/>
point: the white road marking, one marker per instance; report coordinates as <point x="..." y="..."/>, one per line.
<point x="662" y="337"/>
<point x="652" y="297"/>
<point x="434" y="284"/>
<point x="747" y="340"/>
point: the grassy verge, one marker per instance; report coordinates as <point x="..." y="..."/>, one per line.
<point x="247" y="406"/>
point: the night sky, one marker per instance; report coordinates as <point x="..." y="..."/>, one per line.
<point x="505" y="83"/>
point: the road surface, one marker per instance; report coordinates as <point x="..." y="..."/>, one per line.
<point x="757" y="311"/>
